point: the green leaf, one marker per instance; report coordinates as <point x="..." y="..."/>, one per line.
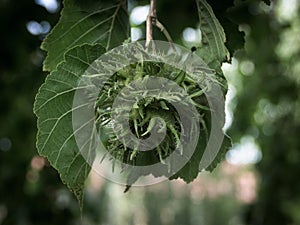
<point x="53" y="107"/>
<point x="191" y="170"/>
<point x="86" y="21"/>
<point x="213" y="49"/>
<point x="234" y="38"/>
<point x="226" y="145"/>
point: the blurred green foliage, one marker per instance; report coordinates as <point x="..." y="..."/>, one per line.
<point x="23" y="201"/>
<point x="267" y="107"/>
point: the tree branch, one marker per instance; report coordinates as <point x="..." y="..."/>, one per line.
<point x="152" y="20"/>
<point x="149" y="24"/>
<point x="160" y="26"/>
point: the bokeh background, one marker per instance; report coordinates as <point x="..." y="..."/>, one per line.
<point x="258" y="182"/>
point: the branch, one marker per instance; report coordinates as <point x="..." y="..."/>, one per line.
<point x="152" y="20"/>
<point x="149" y="26"/>
<point x="160" y="26"/>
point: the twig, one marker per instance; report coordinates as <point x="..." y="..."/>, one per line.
<point x="160" y="26"/>
<point x="149" y="26"/>
<point x="152" y="20"/>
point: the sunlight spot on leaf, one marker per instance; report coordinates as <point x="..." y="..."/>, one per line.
<point x="36" y="28"/>
<point x="230" y="72"/>
<point x="136" y="33"/>
<point x="247" y="67"/>
<point x="63" y="199"/>
<point x="51" y="5"/>
<point x="287" y="10"/>
<point x="37" y="163"/>
<point x="245" y="152"/>
<point x="139" y="14"/>
<point x="228" y="109"/>
<point x="191" y="35"/>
